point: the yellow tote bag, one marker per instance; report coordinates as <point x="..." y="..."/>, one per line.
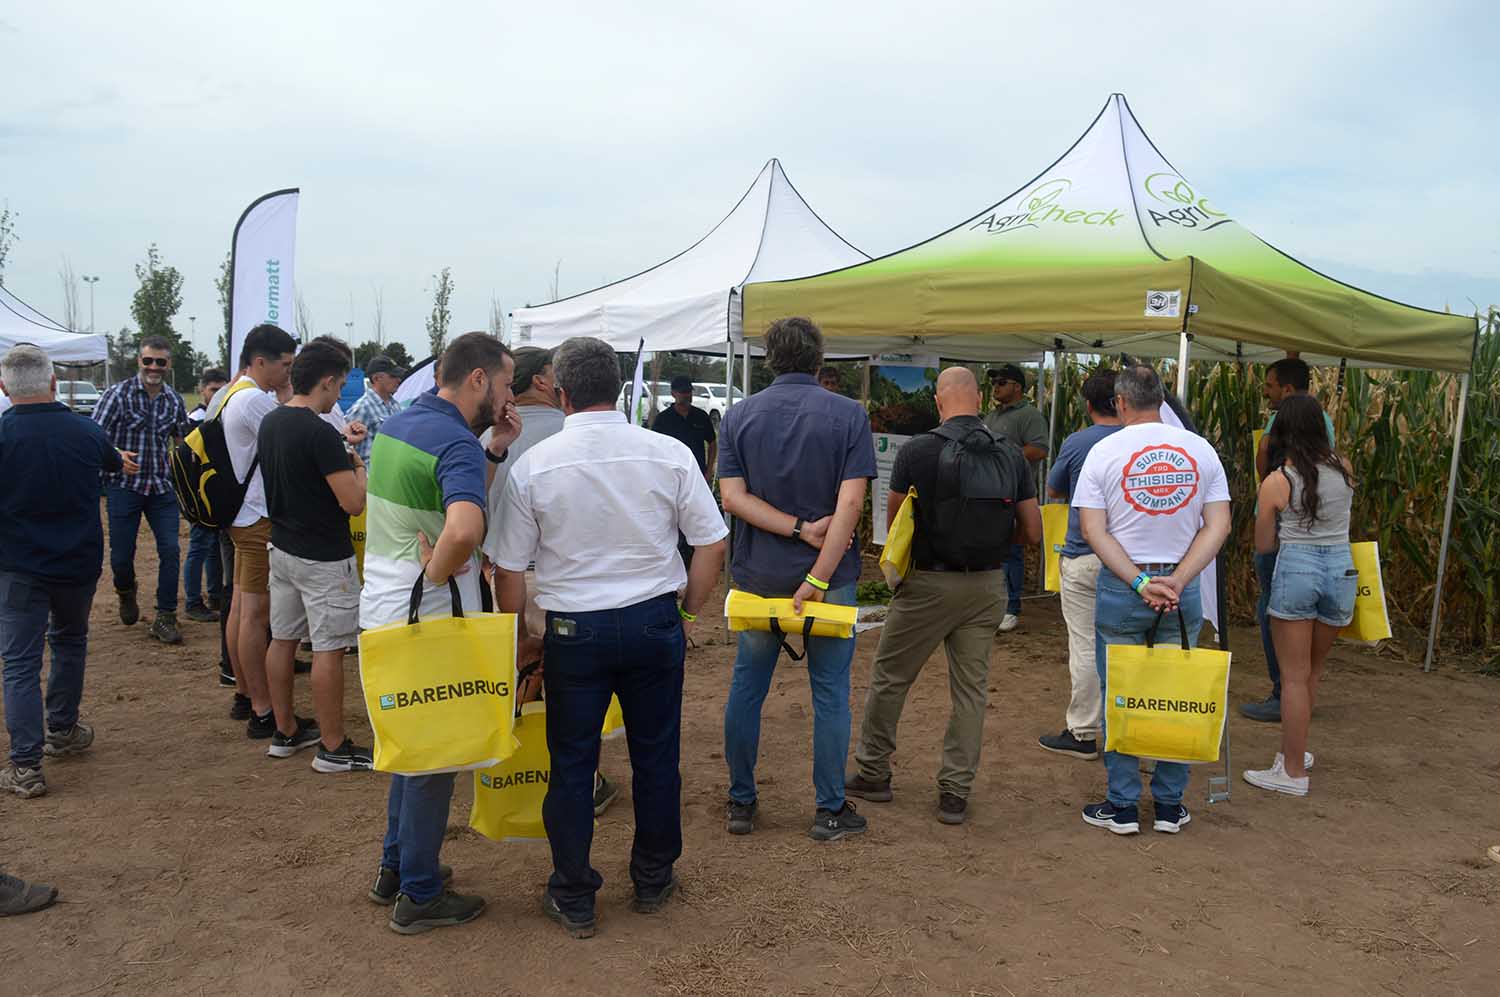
<point x="1054" y="535"/>
<point x="508" y="797"/>
<point x="357" y="536"/>
<point x="1255" y="435"/>
<point x="1165" y="702"/>
<point x="1371" y="621"/>
<point x="439" y="692"/>
<point x="614" y="720"/>
<point x="895" y="556"/>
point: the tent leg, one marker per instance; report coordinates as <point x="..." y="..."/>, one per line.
<point x="1442" y="565"/>
<point x="1182" y="365"/>
<point x="1051" y="424"/>
<point x="728" y="401"/>
<point x="745" y="374"/>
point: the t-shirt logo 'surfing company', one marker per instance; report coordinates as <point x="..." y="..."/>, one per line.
<point x="1160" y="479"/>
<point x="1185" y="208"/>
<point x="1044" y="204"/>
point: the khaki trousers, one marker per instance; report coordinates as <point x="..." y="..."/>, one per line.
<point x="961" y="611"/>
<point x="1080" y="577"/>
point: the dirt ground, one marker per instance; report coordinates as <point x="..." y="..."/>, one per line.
<point x="190" y="863"/>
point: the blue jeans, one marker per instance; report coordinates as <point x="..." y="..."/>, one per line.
<point x="636" y="653"/>
<point x="30" y="609"/>
<point x="827" y="661"/>
<point x="1015" y="578"/>
<point x="416" y="821"/>
<point x="1265" y="570"/>
<point x="203" y="559"/>
<point x="1121" y="617"/>
<point x="125" y="509"/>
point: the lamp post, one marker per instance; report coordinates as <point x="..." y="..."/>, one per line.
<point x="91" y="281"/>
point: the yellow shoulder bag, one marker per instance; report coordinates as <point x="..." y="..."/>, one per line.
<point x="1371" y="622"/>
<point x="895" y="556"/>
<point x="1165" y="702"/>
<point x="1054" y="536"/>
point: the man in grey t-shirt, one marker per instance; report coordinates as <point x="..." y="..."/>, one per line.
<point x="1016" y="419"/>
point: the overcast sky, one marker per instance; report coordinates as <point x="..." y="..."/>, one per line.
<point x="1361" y="137"/>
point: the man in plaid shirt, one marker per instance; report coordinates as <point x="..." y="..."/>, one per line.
<point x="143" y="415"/>
<point x="378" y="403"/>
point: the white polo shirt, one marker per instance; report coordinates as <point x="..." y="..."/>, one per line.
<point x="598" y="507"/>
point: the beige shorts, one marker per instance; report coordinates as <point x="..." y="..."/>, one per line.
<point x="314" y="600"/>
<point x="252" y="570"/>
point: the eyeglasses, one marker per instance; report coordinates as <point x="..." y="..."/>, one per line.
<point x="154" y="361"/>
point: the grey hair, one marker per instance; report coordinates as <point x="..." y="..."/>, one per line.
<point x="1140" y="386"/>
<point x="26" y="371"/>
<point x="587" y="370"/>
<point x="793" y="346"/>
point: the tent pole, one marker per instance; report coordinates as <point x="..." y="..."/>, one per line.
<point x="1051" y="425"/>
<point x="728" y="401"/>
<point x="1182" y="364"/>
<point x="1442" y="565"/>
<point x="745" y="375"/>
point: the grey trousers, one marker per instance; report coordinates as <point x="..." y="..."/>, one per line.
<point x="960" y="611"/>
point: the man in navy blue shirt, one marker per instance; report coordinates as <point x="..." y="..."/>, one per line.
<point x="1079" y="571"/>
<point x="794" y="464"/>
<point x="51" y="552"/>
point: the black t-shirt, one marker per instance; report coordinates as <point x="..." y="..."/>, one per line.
<point x="695" y="429"/>
<point x="298" y="450"/>
<point x="917" y="464"/>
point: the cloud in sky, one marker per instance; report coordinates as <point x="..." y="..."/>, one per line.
<point x="497" y="141"/>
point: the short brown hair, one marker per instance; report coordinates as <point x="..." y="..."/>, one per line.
<point x="469" y="352"/>
<point x="794" y="346"/>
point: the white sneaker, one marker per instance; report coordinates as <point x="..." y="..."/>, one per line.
<point x="1307" y="761"/>
<point x="1276" y="780"/>
<point x="1008" y="623"/>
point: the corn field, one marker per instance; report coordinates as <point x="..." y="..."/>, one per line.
<point x="1396" y="428"/>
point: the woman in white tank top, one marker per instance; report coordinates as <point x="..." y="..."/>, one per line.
<point x="1304" y="512"/>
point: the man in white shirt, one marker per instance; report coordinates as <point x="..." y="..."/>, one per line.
<point x="1153" y="505"/>
<point x="598" y="508"/>
<point x="267" y="361"/>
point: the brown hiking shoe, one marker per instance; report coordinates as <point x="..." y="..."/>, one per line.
<point x="869" y="789"/>
<point x="164" y="628"/>
<point x="26" y="783"/>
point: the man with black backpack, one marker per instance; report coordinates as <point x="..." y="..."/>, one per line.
<point x="975" y="498"/>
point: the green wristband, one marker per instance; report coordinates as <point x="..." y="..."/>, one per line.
<point x="818" y="584"/>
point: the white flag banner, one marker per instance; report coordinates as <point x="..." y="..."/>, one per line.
<point x="638" y="385"/>
<point x="261" y="288"/>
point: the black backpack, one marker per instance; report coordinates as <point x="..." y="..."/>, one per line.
<point x="973" y="515"/>
<point x="203" y="475"/>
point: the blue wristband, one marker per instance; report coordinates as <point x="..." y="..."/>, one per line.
<point x="1141" y="581"/>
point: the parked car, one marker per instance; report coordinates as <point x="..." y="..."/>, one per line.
<point x="716" y="398"/>
<point x="660" y="389"/>
<point x="80" y="396"/>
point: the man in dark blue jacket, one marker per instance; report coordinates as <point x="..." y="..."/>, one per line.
<point x="51" y="553"/>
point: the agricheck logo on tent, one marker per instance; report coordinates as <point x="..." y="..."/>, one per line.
<point x="443" y="693"/>
<point x="1045" y="204"/>
<point x="1184" y="208"/>
<point x="1167" y="705"/>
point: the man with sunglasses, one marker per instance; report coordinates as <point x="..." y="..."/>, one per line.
<point x="1017" y="420"/>
<point x="143" y="415"/>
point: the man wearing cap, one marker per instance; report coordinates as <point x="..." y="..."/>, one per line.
<point x="1016" y="419"/>
<point x="693" y="428"/>
<point x="378" y="403"/>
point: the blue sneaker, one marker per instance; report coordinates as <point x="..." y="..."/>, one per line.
<point x="1120" y="820"/>
<point x="1170" y="817"/>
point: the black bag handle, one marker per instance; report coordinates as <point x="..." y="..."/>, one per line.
<point x="1181" y="628"/>
<point x="416" y="598"/>
<point x="807" y="625"/>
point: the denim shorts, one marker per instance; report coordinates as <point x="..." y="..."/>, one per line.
<point x="1314" y="582"/>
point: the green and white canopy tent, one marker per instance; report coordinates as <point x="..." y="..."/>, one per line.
<point x="1112" y="249"/>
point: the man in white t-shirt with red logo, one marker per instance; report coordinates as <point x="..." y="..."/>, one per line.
<point x="1153" y="504"/>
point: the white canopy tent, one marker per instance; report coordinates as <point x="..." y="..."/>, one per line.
<point x="20" y="323"/>
<point x="692" y="301"/>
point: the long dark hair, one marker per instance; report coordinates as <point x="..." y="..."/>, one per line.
<point x="1301" y="435"/>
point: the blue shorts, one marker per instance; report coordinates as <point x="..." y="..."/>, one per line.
<point x="1314" y="582"/>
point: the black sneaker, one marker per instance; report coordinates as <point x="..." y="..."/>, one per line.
<point x="1267" y="711"/>
<point x="300" y="667"/>
<point x="129" y="611"/>
<point x="742" y="816"/>
<point x="260" y="728"/>
<point x="604" y="793"/>
<point x="239" y="709"/>
<point x="306" y="735"/>
<point x="345" y="758"/>
<point x="200" y="613"/>
<point x="20" y="897"/>
<point x="656" y="901"/>
<point x="442" y="911"/>
<point x="164" y="628"/>
<point x="1066" y="744"/>
<point x="952" y="809"/>
<point x="226" y="678"/>
<point x="388" y="884"/>
<point x="831" y="825"/>
<point x="1169" y="817"/>
<point x="1120" y="820"/>
<point x="869" y="789"/>
<point x="575" y="925"/>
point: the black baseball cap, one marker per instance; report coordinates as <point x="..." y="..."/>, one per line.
<point x="1008" y="372"/>
<point x="682" y="382"/>
<point x="382" y="364"/>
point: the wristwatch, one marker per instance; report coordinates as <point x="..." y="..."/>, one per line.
<point x="797" y="529"/>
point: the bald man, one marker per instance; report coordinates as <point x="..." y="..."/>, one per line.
<point x="975" y="497"/>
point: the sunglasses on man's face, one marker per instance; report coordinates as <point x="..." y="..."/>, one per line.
<point x="154" y="361"/>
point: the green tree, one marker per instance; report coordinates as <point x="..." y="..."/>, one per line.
<point x="221" y="284"/>
<point x="370" y="348"/>
<point x="397" y="352"/>
<point x="437" y="322"/>
<point x="7" y="236"/>
<point x="155" y="303"/>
